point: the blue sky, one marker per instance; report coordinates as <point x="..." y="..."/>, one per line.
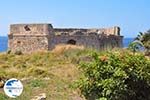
<point x="131" y="15"/>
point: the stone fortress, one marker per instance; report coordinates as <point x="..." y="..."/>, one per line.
<point x="32" y="37"/>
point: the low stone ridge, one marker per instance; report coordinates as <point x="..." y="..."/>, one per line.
<point x="2" y="84"/>
<point x="41" y="96"/>
<point x="32" y="37"/>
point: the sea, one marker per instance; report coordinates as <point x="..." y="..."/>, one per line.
<point x="4" y="43"/>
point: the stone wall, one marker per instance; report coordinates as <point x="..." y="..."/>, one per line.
<point x="107" y="31"/>
<point x="30" y="29"/>
<point x="28" y="43"/>
<point x="31" y="37"/>
<point x="93" y="41"/>
<point x="86" y="41"/>
<point x="99" y="39"/>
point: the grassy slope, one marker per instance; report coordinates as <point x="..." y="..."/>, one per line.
<point x="44" y="72"/>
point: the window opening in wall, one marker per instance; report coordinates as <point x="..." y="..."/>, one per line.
<point x="18" y="42"/>
<point x="27" y="28"/>
<point x="72" y="42"/>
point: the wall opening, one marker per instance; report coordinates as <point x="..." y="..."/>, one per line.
<point x="18" y="43"/>
<point x="72" y="42"/>
<point x="27" y="28"/>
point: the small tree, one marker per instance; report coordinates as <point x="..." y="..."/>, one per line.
<point x="134" y="47"/>
<point x="143" y="39"/>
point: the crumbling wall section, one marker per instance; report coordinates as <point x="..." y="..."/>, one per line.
<point x="107" y="31"/>
<point x="29" y="37"/>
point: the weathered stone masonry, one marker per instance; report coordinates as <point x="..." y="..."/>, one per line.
<point x="31" y="37"/>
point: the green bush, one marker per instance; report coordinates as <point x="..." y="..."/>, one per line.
<point x="18" y="52"/>
<point x="8" y="51"/>
<point x="116" y="76"/>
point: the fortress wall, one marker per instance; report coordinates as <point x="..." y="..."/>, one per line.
<point x="107" y="39"/>
<point x="30" y="29"/>
<point x="28" y="44"/>
<point x="29" y="37"/>
<point x="111" y="42"/>
<point x="92" y="42"/>
<point x="69" y="29"/>
<point x="107" y="31"/>
<point x="86" y="41"/>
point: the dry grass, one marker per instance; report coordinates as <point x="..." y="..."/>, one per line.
<point x="59" y="49"/>
<point x="43" y="72"/>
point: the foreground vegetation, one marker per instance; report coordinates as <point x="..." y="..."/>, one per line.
<point x="142" y="41"/>
<point x="118" y="75"/>
<point x="47" y="72"/>
<point x="72" y="73"/>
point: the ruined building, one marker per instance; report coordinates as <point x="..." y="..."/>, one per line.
<point x="31" y="37"/>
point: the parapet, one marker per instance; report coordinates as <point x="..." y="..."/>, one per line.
<point x="107" y="31"/>
<point x="70" y="31"/>
<point x="30" y="29"/>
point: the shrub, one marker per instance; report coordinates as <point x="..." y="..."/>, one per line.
<point x="133" y="46"/>
<point x="116" y="76"/>
<point x="8" y="51"/>
<point x="18" y="52"/>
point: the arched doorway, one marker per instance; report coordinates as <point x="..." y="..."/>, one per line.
<point x="72" y="42"/>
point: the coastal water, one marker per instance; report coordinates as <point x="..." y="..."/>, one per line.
<point x="126" y="41"/>
<point x="4" y="43"/>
